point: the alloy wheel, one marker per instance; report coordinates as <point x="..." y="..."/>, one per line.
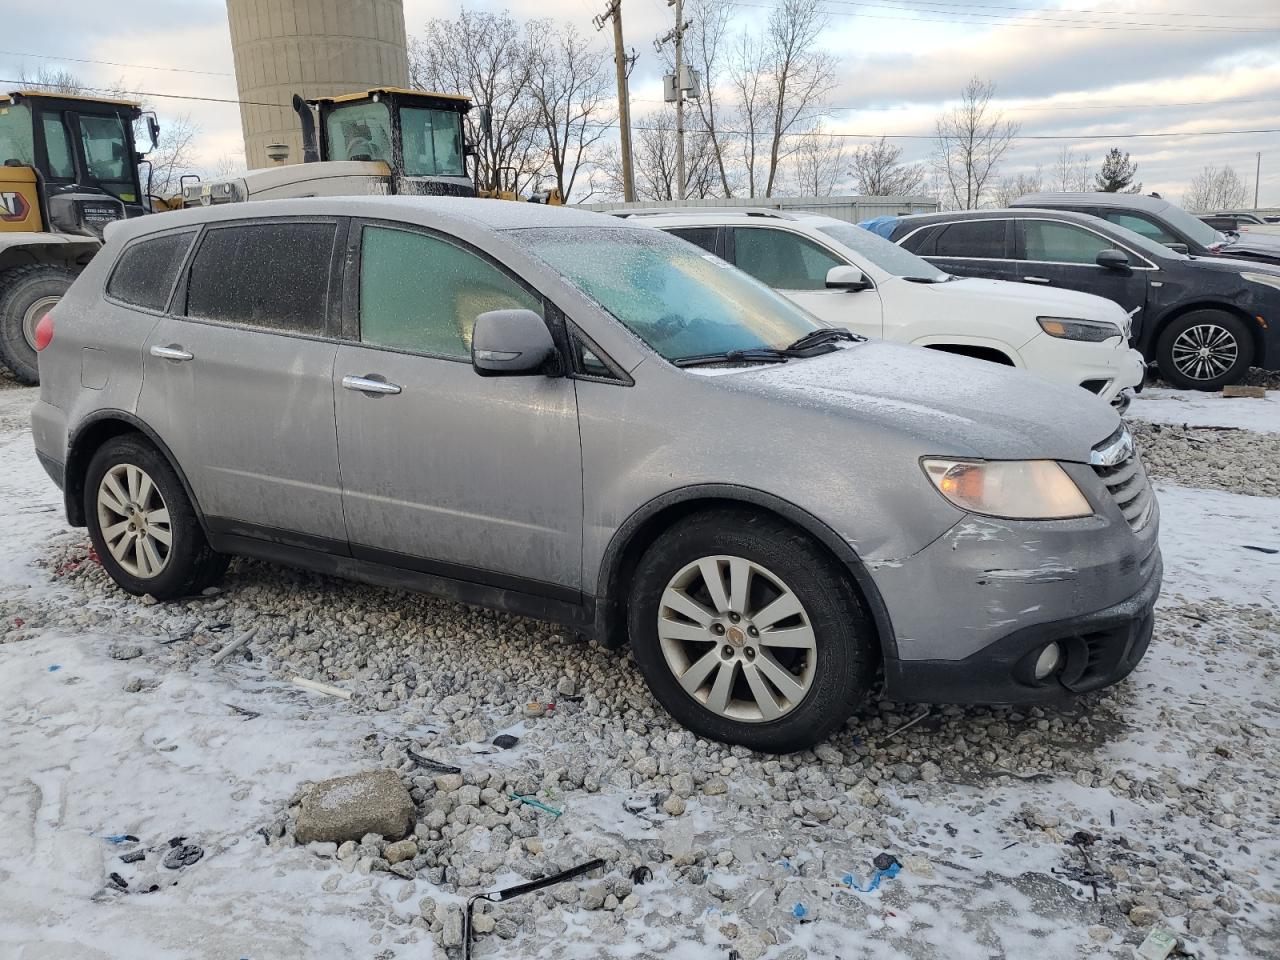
<point x="134" y="520"/>
<point x="32" y="317"/>
<point x="737" y="639"/>
<point x="1205" y="351"/>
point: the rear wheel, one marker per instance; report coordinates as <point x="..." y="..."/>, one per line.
<point x="1204" y="350"/>
<point x="27" y="294"/>
<point x="143" y="525"/>
<point x="749" y="633"/>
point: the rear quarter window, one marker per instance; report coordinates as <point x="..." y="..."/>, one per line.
<point x="980" y="239"/>
<point x="145" y="273"/>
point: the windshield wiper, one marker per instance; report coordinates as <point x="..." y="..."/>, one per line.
<point x="754" y="355"/>
<point x="818" y="338"/>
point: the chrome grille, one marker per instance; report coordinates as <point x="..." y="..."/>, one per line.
<point x="1117" y="463"/>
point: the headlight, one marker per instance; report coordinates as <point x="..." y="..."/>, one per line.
<point x="1012" y="489"/>
<point x="1092" y="331"/>
<point x="1263" y="278"/>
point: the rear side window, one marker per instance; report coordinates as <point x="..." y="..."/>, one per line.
<point x="1048" y="242"/>
<point x="145" y="272"/>
<point x="273" y="275"/>
<point x="423" y="294"/>
<point x="983" y="239"/>
<point x="705" y="237"/>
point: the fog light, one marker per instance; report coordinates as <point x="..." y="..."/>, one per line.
<point x="1049" y="660"/>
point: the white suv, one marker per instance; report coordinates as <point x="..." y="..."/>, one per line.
<point x="850" y="277"/>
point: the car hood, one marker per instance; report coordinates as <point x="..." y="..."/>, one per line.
<point x="1254" y="244"/>
<point x="1035" y="301"/>
<point x="952" y="405"/>
<point x="1231" y="265"/>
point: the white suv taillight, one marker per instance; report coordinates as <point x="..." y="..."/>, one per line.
<point x="44" y="331"/>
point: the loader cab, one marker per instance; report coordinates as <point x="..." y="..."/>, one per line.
<point x="77" y="154"/>
<point x="420" y="136"/>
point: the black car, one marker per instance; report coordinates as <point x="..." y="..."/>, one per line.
<point x="1231" y="222"/>
<point x="1204" y="321"/>
<point x="1161" y="221"/>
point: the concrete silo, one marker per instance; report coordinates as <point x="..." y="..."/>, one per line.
<point x="314" y="48"/>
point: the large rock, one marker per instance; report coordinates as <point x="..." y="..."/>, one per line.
<point x="347" y="808"/>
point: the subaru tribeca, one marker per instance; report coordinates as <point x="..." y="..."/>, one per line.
<point x="565" y="416"/>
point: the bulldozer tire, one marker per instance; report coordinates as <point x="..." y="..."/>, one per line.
<point x="26" y="294"/>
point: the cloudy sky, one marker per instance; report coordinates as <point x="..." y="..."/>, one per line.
<point x="1081" y="68"/>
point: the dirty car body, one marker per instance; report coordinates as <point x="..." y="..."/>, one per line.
<point x="546" y="494"/>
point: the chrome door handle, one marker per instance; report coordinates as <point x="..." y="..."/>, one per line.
<point x="1037" y="280"/>
<point x="370" y="385"/>
<point x="171" y="353"/>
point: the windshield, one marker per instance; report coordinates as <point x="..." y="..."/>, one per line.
<point x="432" y="142"/>
<point x="680" y="300"/>
<point x="16" y="142"/>
<point x="1193" y="227"/>
<point x="106" y="154"/>
<point x="360" y="131"/>
<point x="886" y="255"/>
<point x="1143" y="244"/>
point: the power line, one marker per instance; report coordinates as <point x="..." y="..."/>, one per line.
<point x="145" y="93"/>
<point x="1117" y="13"/>
<point x="1087" y="106"/>
<point x="110" y="63"/>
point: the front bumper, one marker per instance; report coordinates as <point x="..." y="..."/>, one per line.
<point x="1101" y="648"/>
<point x="1100" y="368"/>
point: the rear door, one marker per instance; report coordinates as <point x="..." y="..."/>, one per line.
<point x="239" y="380"/>
<point x="1054" y="253"/>
<point x="444" y="471"/>
<point x="796" y="267"/>
<point x="972" y="248"/>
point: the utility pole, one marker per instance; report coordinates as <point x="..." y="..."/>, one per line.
<point x="614" y="12"/>
<point x="1257" y="178"/>
<point x="683" y="81"/>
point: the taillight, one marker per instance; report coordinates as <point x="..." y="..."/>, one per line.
<point x="44" y="331"/>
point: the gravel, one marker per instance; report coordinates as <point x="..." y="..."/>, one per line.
<point x="1237" y="461"/>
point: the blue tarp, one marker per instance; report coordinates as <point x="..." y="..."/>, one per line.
<point x="880" y="226"/>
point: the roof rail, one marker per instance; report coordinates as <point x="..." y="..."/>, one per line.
<point x="695" y="208"/>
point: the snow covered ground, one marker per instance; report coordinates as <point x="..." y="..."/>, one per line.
<point x="1165" y="405"/>
<point x="1175" y="771"/>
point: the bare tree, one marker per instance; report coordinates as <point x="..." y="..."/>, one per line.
<point x="878" y="171"/>
<point x="971" y="139"/>
<point x="52" y="79"/>
<point x="800" y="73"/>
<point x="704" y="44"/>
<point x="488" y="57"/>
<point x="1070" y="174"/>
<point x="570" y="81"/>
<point x="753" y="103"/>
<point x="1008" y="189"/>
<point x="174" y="155"/>
<point x="1215" y="188"/>
<point x="653" y="144"/>
<point x="817" y="163"/>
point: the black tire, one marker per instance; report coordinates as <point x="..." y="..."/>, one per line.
<point x="20" y="289"/>
<point x="191" y="563"/>
<point x="1182" y="332"/>
<point x="845" y="637"/>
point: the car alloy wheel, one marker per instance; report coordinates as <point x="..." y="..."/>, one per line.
<point x="1205" y="351"/>
<point x="737" y="639"/>
<point x="134" y="520"/>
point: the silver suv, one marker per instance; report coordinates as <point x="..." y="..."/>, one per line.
<point x="570" y="417"/>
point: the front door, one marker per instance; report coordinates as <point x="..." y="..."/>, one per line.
<point x="797" y="268"/>
<point x="444" y="471"/>
<point x="241" y="387"/>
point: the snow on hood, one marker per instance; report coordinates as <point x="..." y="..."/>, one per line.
<point x="950" y="404"/>
<point x="1036" y="301"/>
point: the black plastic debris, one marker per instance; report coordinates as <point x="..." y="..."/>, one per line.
<point x="182" y="855"/>
<point x="641" y="875"/>
<point x="519" y="890"/>
<point x="505" y="741"/>
<point x="426" y="763"/>
<point x="119" y="882"/>
<point x="133" y="856"/>
<point x="884" y="861"/>
<point x="1249" y="546"/>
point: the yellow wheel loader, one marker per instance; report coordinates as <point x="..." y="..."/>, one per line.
<point x="68" y="167"/>
<point x="381" y="141"/>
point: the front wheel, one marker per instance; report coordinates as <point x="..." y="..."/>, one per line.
<point x="26" y="294"/>
<point x="749" y="633"/>
<point x="1204" y="350"/>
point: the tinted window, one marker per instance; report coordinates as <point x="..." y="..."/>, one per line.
<point x="264" y="274"/>
<point x="423" y="294"/>
<point x="1060" y="242"/>
<point x="782" y="260"/>
<point x="145" y="272"/>
<point x="1141" y="225"/>
<point x="1222" y="223"/>
<point x="705" y="237"/>
<point x="972" y="238"/>
<point x="58" y="147"/>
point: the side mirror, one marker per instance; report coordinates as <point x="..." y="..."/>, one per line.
<point x="846" y="278"/>
<point x="1179" y="248"/>
<point x="153" y="129"/>
<point x="512" y="343"/>
<point x="1112" y="259"/>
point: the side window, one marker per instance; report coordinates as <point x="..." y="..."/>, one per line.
<point x="423" y="294"/>
<point x="144" y="274"/>
<point x="273" y="275"/>
<point x="1060" y="243"/>
<point x="588" y="362"/>
<point x="782" y="260"/>
<point x="1140" y="225"/>
<point x="705" y="237"/>
<point x="57" y="144"/>
<point x="920" y="242"/>
<point x="979" y="239"/>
